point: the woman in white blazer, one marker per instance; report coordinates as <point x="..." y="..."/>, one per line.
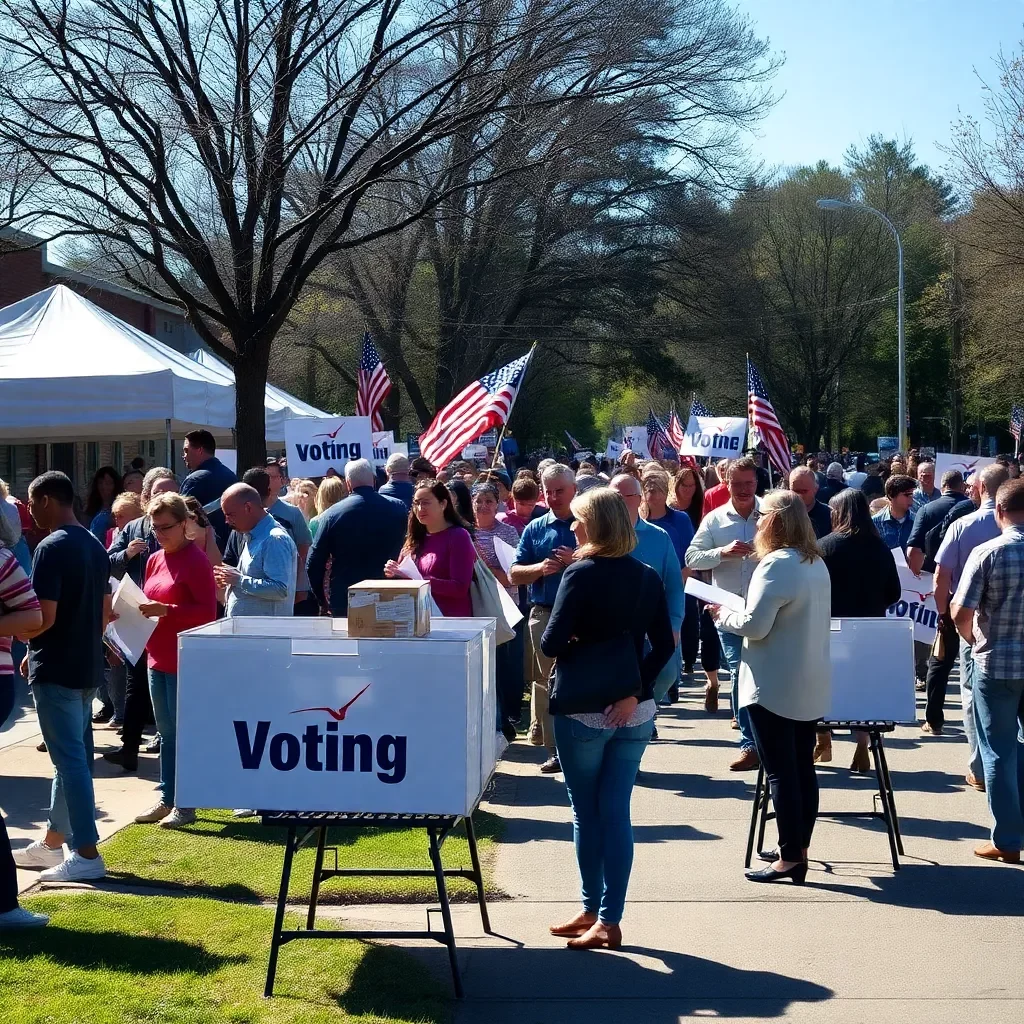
<point x="785" y="681"/>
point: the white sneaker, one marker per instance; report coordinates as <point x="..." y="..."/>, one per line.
<point x="38" y="855"/>
<point x="156" y="813"/>
<point x="178" y="817"/>
<point x="76" y="869"/>
<point x="19" y="917"/>
<point x="243" y="812"/>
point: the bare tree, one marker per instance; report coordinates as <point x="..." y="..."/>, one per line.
<point x="221" y="150"/>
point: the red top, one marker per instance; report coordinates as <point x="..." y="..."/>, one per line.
<point x="183" y="580"/>
<point x="715" y="497"/>
<point x="447" y="559"/>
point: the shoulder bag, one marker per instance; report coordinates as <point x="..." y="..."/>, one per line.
<point x="483" y="592"/>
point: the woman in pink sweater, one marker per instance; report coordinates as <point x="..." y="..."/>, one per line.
<point x="182" y="594"/>
<point x="441" y="547"/>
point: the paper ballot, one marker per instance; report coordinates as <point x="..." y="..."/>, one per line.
<point x="411" y="570"/>
<point x="714" y="595"/>
<point x="506" y="554"/>
<point x="131" y="631"/>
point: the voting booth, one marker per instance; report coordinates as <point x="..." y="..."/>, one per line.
<point x="318" y="730"/>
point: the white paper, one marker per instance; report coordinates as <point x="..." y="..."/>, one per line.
<point x="505" y="553"/>
<point x="409" y="568"/>
<point x="513" y="616"/>
<point x="899" y="558"/>
<point x="714" y="595"/>
<point x="132" y="630"/>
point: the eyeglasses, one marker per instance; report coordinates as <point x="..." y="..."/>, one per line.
<point x="168" y="526"/>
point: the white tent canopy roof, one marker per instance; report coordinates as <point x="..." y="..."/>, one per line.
<point x="70" y="371"/>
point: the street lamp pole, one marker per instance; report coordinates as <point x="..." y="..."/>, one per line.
<point x="901" y="421"/>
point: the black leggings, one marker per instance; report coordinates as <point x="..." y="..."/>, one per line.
<point x="138" y="708"/>
<point x="786" y="749"/>
<point x="698" y="627"/>
<point x="8" y="872"/>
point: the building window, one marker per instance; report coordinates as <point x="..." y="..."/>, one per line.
<point x="62" y="457"/>
<point x="92" y="458"/>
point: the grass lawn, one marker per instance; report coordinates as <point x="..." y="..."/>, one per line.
<point x="242" y="860"/>
<point x="114" y="959"/>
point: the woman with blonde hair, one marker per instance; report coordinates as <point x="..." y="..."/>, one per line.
<point x="785" y="674"/>
<point x="303" y="496"/>
<point x="331" y="490"/>
<point x="602" y="699"/>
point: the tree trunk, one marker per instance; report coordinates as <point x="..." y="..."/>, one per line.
<point x="250" y="410"/>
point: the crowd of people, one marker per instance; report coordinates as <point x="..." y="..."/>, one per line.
<point x="797" y="551"/>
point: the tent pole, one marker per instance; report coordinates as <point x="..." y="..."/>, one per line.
<point x="168" y="443"/>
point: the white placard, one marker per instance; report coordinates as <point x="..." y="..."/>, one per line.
<point x="505" y="553"/>
<point x="131" y="631"/>
<point x="966" y="464"/>
<point x="613" y="450"/>
<point x="715" y="436"/>
<point x="885" y="693"/>
<point x="637" y="437"/>
<point x="714" y="595"/>
<point x="383" y="446"/>
<point x="916" y="603"/>
<point x="317" y="445"/>
<point x="474" y="451"/>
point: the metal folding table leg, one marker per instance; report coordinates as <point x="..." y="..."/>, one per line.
<point x="890" y="793"/>
<point x="765" y="800"/>
<point x="318" y="865"/>
<point x="282" y="899"/>
<point x="479" y="879"/>
<point x="758" y="795"/>
<point x="446" y="911"/>
<point x="893" y="850"/>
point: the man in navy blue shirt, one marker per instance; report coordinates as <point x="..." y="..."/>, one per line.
<point x="208" y="478"/>
<point x="804" y="483"/>
<point x="399" y="484"/>
<point x="545" y="549"/>
<point x="361" y="532"/>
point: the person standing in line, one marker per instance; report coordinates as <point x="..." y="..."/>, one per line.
<point x="835" y="481"/>
<point x="802" y="482"/>
<point x="181" y="595"/>
<point x="988" y="609"/>
<point x="399" y="483"/>
<point x="926" y="490"/>
<point x="718" y="494"/>
<point x="865" y="582"/>
<point x="724" y="544"/>
<point x="856" y="476"/>
<point x="440" y="544"/>
<point x="70" y="573"/>
<point x="601" y="741"/>
<point x="19" y="613"/>
<point x="698" y="628"/>
<point x="545" y="549"/>
<point x="359" y="535"/>
<point x="654" y="547"/>
<point x="525" y="493"/>
<point x="208" y="478"/>
<point x="895" y="521"/>
<point x="785" y="674"/>
<point x="966" y="534"/>
<point x="263" y="583"/>
<point x="105" y="487"/>
<point x="293" y="519"/>
<point x="329" y="493"/>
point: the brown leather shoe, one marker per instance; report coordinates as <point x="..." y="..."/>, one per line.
<point x="711" y="699"/>
<point x="989" y="852"/>
<point x="823" y="749"/>
<point x="861" y="760"/>
<point x="746" y="762"/>
<point x="974" y="782"/>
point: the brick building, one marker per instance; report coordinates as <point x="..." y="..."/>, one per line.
<point x="25" y="270"/>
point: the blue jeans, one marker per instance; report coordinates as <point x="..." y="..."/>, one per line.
<point x="999" y="716"/>
<point x="163" y="690"/>
<point x="65" y="720"/>
<point x="732" y="652"/>
<point x="599" y="767"/>
<point x="967" y="674"/>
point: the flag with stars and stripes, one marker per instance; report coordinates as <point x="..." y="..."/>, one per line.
<point x="576" y="446"/>
<point x="675" y="430"/>
<point x="698" y="408"/>
<point x="373" y="384"/>
<point x="658" y="443"/>
<point x="761" y="414"/>
<point x="1016" y="422"/>
<point x="485" y="403"/>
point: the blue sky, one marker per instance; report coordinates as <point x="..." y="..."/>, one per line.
<point x="902" y="68"/>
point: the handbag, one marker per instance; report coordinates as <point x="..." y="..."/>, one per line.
<point x="483" y="592"/>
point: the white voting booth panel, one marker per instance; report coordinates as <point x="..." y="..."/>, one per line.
<point x="286" y="714"/>
<point x="872" y="671"/>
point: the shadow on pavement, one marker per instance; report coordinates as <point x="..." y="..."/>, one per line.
<point x="701" y="787"/>
<point x="527" y="830"/>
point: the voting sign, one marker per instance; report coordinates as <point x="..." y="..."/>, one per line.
<point x="317" y="445"/>
<point x="383" y="447"/>
<point x="715" y="436"/>
<point x="916" y="603"/>
<point x="966" y="464"/>
<point x="635" y="439"/>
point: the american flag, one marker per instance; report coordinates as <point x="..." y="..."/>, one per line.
<point x="576" y="446"/>
<point x="627" y="442"/>
<point x="481" y="405"/>
<point x="676" y="431"/>
<point x="373" y="384"/>
<point x="762" y="416"/>
<point x="658" y="443"/>
<point x="1016" y="422"/>
<point x="698" y="408"/>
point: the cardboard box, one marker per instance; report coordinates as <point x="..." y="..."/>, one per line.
<point x="389" y="609"/>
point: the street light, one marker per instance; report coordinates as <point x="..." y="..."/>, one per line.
<point x="901" y="423"/>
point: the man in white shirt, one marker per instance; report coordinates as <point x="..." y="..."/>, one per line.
<point x="724" y="543"/>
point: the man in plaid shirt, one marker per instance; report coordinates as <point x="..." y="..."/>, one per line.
<point x="988" y="609"/>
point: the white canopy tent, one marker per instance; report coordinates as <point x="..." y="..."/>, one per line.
<point x="70" y="371"/>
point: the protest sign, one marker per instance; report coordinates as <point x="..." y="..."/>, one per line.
<point x="917" y="602"/>
<point x="613" y="450"/>
<point x="966" y="464"/>
<point x="475" y="451"/>
<point x="412" y="442"/>
<point x="715" y="436"/>
<point x="317" y="445"/>
<point x="887" y="447"/>
<point x="383" y="446"/>
<point x="637" y="438"/>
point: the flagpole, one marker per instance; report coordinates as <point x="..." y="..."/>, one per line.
<point x="771" y="482"/>
<point x="522" y="381"/>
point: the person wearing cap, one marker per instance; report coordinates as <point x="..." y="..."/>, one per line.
<point x="399" y="483"/>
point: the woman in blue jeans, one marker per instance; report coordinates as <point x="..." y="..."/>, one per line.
<point x="605" y="593"/>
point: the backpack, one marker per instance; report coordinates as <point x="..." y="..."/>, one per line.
<point x="934" y="537"/>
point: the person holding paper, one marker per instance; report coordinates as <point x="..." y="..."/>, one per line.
<point x="724" y="543"/>
<point x="785" y="674"/>
<point x="181" y="595"/>
<point x="440" y="545"/>
<point x="509" y="665"/>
